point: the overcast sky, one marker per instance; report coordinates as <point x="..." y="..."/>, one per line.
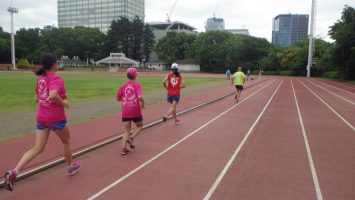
<point x="255" y="15"/>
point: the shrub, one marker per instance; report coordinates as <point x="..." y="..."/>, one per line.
<point x="286" y="73"/>
<point x="23" y="64"/>
<point x="332" y="75"/>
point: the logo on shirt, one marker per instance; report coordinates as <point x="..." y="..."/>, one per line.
<point x="174" y="81"/>
<point x="43" y="97"/>
<point x="130" y="97"/>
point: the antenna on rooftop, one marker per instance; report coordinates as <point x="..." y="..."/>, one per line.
<point x="214" y="13"/>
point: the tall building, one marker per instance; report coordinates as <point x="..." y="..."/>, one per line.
<point x="97" y="13"/>
<point x="215" y="24"/>
<point x="288" y="29"/>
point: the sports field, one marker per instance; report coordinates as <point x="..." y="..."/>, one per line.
<point x="17" y="89"/>
<point x="288" y="138"/>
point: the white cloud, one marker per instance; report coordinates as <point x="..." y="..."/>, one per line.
<point x="254" y="15"/>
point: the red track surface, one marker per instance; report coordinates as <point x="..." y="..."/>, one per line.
<point x="257" y="148"/>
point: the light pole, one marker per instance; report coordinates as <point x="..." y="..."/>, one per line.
<point x="12" y="10"/>
<point x="310" y="45"/>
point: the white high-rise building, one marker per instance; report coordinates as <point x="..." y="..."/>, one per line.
<point x="97" y="13"/>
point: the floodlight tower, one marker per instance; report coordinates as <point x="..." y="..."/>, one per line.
<point x="12" y="10"/>
<point x="311" y="42"/>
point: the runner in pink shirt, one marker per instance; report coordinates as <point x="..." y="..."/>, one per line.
<point x="130" y="93"/>
<point x="51" y="98"/>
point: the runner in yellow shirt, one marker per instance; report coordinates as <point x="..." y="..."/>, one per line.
<point x="239" y="80"/>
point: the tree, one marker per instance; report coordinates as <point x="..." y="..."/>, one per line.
<point x="5" y="47"/>
<point x="28" y="44"/>
<point x="148" y="42"/>
<point x="175" y="46"/>
<point x="344" y="35"/>
<point x="119" y="36"/>
<point x="137" y="39"/>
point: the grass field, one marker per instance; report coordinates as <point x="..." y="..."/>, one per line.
<point x="17" y="89"/>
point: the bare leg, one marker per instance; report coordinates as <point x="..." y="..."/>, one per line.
<point x="64" y="136"/>
<point x="138" y="129"/>
<point x="41" y="141"/>
<point x="239" y="93"/>
<point x="127" y="129"/>
<point x="172" y="110"/>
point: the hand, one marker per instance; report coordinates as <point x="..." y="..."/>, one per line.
<point x="142" y="106"/>
<point x="66" y="104"/>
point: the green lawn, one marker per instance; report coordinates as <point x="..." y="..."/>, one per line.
<point x="17" y="89"/>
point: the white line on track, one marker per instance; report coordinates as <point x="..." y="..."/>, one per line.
<point x="342" y="118"/>
<point x="231" y="160"/>
<point x="335" y="87"/>
<point x="345" y="99"/>
<point x="309" y="154"/>
<point x="169" y="148"/>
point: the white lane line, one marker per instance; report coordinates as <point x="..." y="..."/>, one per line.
<point x="309" y="154"/>
<point x="231" y="160"/>
<point x="169" y="148"/>
<point x="335" y="87"/>
<point x="342" y="118"/>
<point x="345" y="99"/>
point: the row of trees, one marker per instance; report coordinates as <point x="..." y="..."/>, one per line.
<point x="134" y="38"/>
<point x="217" y="51"/>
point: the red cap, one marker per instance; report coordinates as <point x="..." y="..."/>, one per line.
<point x="132" y="72"/>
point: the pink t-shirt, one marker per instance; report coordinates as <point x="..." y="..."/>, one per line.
<point x="49" y="110"/>
<point x="129" y="93"/>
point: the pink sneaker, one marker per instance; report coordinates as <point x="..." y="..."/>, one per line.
<point x="177" y="121"/>
<point x="10" y="179"/>
<point x="124" y="151"/>
<point x="75" y="166"/>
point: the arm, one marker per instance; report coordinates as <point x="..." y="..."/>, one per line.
<point x="53" y="95"/>
<point x="142" y="102"/>
<point x="182" y="84"/>
<point x="232" y="81"/>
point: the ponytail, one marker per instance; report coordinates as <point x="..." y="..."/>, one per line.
<point x="40" y="71"/>
<point x="47" y="61"/>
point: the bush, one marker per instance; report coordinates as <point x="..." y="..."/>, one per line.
<point x="269" y="72"/>
<point x="23" y="64"/>
<point x="286" y="73"/>
<point x="332" y="75"/>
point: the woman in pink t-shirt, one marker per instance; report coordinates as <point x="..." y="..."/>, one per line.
<point x="173" y="82"/>
<point x="130" y="93"/>
<point x="51" y="98"/>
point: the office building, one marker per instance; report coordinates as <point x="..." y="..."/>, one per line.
<point x="215" y="24"/>
<point x="288" y="29"/>
<point x="97" y="13"/>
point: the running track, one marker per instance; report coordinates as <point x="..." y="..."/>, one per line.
<point x="289" y="138"/>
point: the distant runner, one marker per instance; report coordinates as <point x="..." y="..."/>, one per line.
<point x="173" y="83"/>
<point x="239" y="80"/>
<point x="130" y="93"/>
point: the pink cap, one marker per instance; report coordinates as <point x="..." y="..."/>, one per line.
<point x="132" y="72"/>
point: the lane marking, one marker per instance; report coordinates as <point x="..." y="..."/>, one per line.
<point x="336" y="87"/>
<point x="309" y="154"/>
<point x="231" y="160"/>
<point x="345" y="99"/>
<point x="169" y="148"/>
<point x="342" y="118"/>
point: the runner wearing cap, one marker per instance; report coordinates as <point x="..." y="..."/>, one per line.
<point x="130" y="93"/>
<point x="173" y="82"/>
